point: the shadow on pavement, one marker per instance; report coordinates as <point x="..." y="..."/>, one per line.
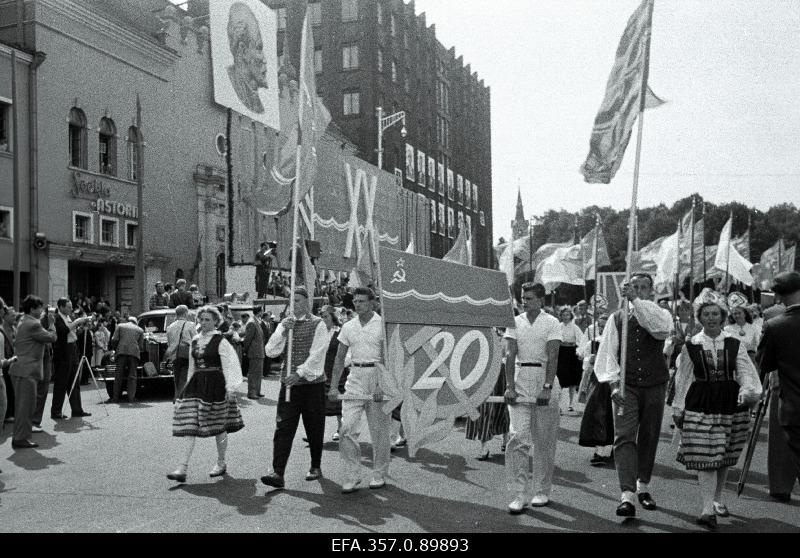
<point x="73" y="426"/>
<point x="230" y="491"/>
<point x="451" y="465"/>
<point x="32" y="460"/>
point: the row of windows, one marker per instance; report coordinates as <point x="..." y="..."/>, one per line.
<point x="451" y="227"/>
<point x="83" y="230"/>
<point x="107" y="145"/>
<point x="5" y="126"/>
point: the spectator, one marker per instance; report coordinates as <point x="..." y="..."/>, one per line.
<point x="65" y="362"/>
<point x="179" y="341"/>
<point x="101" y="339"/>
<point x="6" y="387"/>
<point x="253" y="351"/>
<point x="159" y="299"/>
<point x="181" y="296"/>
<point x="197" y="297"/>
<point x="128" y="342"/>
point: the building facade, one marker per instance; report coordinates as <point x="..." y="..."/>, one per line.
<point x="372" y="53"/>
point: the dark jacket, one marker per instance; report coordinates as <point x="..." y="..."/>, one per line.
<point x="253" y="344"/>
<point x="29" y="347"/>
<point x="177" y="298"/>
<point x="780" y="350"/>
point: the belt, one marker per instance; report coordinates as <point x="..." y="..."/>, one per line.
<point x="363" y="364"/>
<point x="539" y="364"/>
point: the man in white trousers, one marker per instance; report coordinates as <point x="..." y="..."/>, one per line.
<point x="531" y="362"/>
<point x="363" y="336"/>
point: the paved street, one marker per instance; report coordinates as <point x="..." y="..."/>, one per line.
<point x="107" y="474"/>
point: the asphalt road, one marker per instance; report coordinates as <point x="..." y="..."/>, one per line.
<point x="107" y="474"/>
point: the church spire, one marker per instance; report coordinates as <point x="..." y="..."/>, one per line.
<point x="520" y="213"/>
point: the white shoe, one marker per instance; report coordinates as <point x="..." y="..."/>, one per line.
<point x="377" y="482"/>
<point x="218" y="470"/>
<point x="539" y="501"/>
<point x="518" y="505"/>
<point x="350" y="486"/>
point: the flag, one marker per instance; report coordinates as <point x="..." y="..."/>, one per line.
<point x="666" y="260"/>
<point x="697" y="249"/>
<point x="309" y="272"/>
<point x="787" y="259"/>
<point x="742" y="244"/>
<point x="362" y="274"/>
<point x="305" y="118"/>
<point x="773" y="260"/>
<point x="460" y="252"/>
<point x="563" y="265"/>
<point x="623" y="99"/>
<point x="644" y="260"/>
<point x="588" y="252"/>
<point x="728" y="258"/>
<point x="411" y="248"/>
<point x="506" y="263"/>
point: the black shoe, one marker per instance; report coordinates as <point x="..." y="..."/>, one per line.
<point x="626" y="509"/>
<point x="24" y="444"/>
<point x="780" y="496"/>
<point x="274" y="480"/>
<point x="647" y="501"/>
<point x="81" y="414"/>
<point x="177" y="476"/>
<point x="313" y="474"/>
<point x="58" y="416"/>
<point x="252" y="397"/>
<point x="708" y="521"/>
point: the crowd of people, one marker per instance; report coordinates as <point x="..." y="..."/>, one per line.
<point x="708" y="362"/>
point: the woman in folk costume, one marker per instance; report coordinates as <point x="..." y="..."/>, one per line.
<point x="493" y="420"/>
<point x="597" y="423"/>
<point x="714" y="384"/>
<point x="333" y="408"/>
<point x="207" y="407"/>
<point x="569" y="370"/>
<point x="741" y="323"/>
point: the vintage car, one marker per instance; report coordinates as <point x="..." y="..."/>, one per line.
<point x="154" y="374"/>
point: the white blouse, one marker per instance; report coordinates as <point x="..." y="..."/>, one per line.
<point x="570" y="333"/>
<point x="748" y="334"/>
<point x="231" y="368"/>
<point x="745" y="374"/>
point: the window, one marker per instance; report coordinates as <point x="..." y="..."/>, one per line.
<point x="349" y="10"/>
<point x="133" y="152"/>
<point x="433" y="216"/>
<point x="107" y="135"/>
<point x="394" y="71"/>
<point x="467" y="192"/>
<point x="460" y="188"/>
<point x="5" y="126"/>
<point x="352" y="103"/>
<point x="109" y="232"/>
<point x="6" y="223"/>
<point x="317" y="60"/>
<point x="392" y="25"/>
<point x="221" y="143"/>
<point x="281" y="19"/>
<point x="131" y="230"/>
<point x="316" y="12"/>
<point x="482" y="219"/>
<point x="380" y="60"/>
<point x="475" y="197"/>
<point x="380" y="14"/>
<point x="82" y="227"/>
<point x="350" y="57"/>
<point x="450" y="222"/>
<point x="77" y="138"/>
<point x="442" y="222"/>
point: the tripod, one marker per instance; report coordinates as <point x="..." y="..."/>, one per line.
<point x="79" y="373"/>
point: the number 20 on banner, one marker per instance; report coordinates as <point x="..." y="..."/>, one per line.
<point x="454" y="351"/>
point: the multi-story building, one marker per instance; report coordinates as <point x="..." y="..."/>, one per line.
<point x="372" y="53"/>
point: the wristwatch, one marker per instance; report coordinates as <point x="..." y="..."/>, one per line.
<point x="547" y="386"/>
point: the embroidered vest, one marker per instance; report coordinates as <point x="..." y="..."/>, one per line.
<point x="208" y="357"/>
<point x="645" y="365"/>
<point x="704" y="369"/>
<point x="302" y="339"/>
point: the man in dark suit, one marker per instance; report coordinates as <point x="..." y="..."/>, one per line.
<point x="181" y="296"/>
<point x="266" y="330"/>
<point x="65" y="361"/>
<point x="779" y="350"/>
<point x="43" y="386"/>
<point x="26" y="372"/>
<point x="253" y="351"/>
<point x="128" y="343"/>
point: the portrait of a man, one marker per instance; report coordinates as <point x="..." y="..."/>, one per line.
<point x="245" y="60"/>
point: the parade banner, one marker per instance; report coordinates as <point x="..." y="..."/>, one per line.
<point x="443" y="355"/>
<point x="244" y="59"/>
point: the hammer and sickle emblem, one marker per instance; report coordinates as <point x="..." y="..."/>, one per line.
<point x="399" y="276"/>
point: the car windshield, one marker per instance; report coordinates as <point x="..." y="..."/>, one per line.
<point x="159" y="323"/>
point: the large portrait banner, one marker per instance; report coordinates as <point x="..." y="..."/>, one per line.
<point x="443" y="355"/>
<point x="244" y="59"/>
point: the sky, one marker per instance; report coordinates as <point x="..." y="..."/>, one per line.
<point x="727" y="69"/>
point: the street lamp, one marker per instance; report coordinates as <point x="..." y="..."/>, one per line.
<point x="384" y="123"/>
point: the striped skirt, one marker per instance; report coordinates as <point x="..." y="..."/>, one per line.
<point x="714" y="428"/>
<point x="204" y="411"/>
<point x="494" y="416"/>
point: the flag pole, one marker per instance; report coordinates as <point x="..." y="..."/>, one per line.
<point x="728" y="256"/>
<point x="594" y="304"/>
<point x="632" y="219"/>
<point x="293" y="269"/>
<point x="691" y="256"/>
<point x="677" y="288"/>
<point x="705" y="271"/>
<point x="374" y="248"/>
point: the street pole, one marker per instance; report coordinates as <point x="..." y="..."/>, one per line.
<point x="691" y="257"/>
<point x="15" y="165"/>
<point x="379" y="113"/>
<point x="530" y="248"/>
<point x="138" y="299"/>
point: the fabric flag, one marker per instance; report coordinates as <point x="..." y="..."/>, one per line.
<point x="645" y="259"/>
<point x="728" y="258"/>
<point x="506" y="263"/>
<point x="666" y="260"/>
<point x="773" y="260"/>
<point x="742" y="244"/>
<point x="363" y="274"/>
<point x="309" y="272"/>
<point x="699" y="240"/>
<point x="588" y="249"/>
<point x="460" y="252"/>
<point x="411" y="248"/>
<point x="563" y="265"/>
<point x="304" y="119"/>
<point x="623" y="99"/>
<point x="787" y="259"/>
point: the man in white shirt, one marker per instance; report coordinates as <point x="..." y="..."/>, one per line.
<point x="637" y="431"/>
<point x="531" y="363"/>
<point x="307" y="382"/>
<point x="179" y="342"/>
<point x="363" y="336"/>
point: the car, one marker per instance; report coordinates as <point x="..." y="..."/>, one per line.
<point x="154" y="373"/>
